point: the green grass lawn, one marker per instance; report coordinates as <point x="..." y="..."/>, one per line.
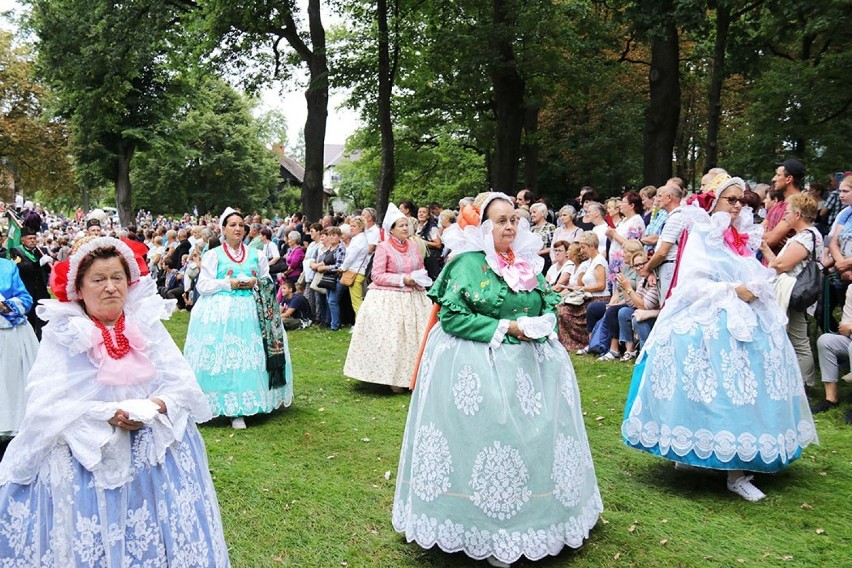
<point x="308" y="486"/>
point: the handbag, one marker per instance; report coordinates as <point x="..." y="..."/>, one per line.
<point x="574" y="297"/>
<point x="348" y="277"/>
<point x="315" y="283"/>
<point x="328" y="281"/>
<point x="808" y="283"/>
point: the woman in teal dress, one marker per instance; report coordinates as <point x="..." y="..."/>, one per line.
<point x="495" y="461"/>
<point x="237" y="349"/>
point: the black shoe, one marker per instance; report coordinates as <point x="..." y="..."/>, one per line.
<point x="823" y="406"/>
<point x="849" y="415"/>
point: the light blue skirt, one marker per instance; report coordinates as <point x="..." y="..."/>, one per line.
<point x="225" y="349"/>
<point x="495" y="459"/>
<point x="700" y="397"/>
<point x="167" y="515"/>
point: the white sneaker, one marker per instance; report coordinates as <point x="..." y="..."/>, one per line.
<point x="743" y="487"/>
<point x="492" y="561"/>
<point x="238" y="423"/>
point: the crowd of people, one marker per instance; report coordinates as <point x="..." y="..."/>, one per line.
<point x="476" y="309"/>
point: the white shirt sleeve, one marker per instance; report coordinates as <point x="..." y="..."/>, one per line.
<point x="262" y="266"/>
<point x="207" y="282"/>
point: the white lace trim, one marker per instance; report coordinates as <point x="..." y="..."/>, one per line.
<point x="506" y="546"/>
<point x="723" y="444"/>
<point x="479" y="239"/>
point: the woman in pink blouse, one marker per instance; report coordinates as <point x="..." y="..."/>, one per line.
<point x="395" y="307"/>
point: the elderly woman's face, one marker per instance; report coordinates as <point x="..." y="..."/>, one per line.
<point x="536" y="215"/>
<point x="400" y="229"/>
<point x="567" y="218"/>
<point x="505" y="220"/>
<point x="233" y="229"/>
<point x="104" y="289"/>
<point x="730" y="202"/>
<point x="423" y="214"/>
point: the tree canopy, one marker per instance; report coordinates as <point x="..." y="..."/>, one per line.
<point x="456" y="96"/>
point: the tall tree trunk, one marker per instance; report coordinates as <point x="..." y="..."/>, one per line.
<point x="531" y="148"/>
<point x="509" y="89"/>
<point x="717" y="77"/>
<point x="317" y="98"/>
<point x="123" y="200"/>
<point x="387" y="174"/>
<point x="664" y="108"/>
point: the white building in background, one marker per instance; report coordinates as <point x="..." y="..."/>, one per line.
<point x="333" y="155"/>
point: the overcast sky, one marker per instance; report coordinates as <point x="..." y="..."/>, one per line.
<point x="341" y="122"/>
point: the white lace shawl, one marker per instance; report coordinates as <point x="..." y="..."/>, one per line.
<point x="479" y="238"/>
<point x="67" y="405"/>
<point x="708" y="274"/>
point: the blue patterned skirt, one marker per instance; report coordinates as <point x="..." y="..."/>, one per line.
<point x="700" y="397"/>
<point x="167" y="515"/>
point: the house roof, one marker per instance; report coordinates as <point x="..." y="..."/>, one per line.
<point x="332" y="154"/>
<point x="292" y="166"/>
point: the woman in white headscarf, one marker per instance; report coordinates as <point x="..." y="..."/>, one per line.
<point x="236" y="343"/>
<point x="392" y="320"/>
<point x="495" y="461"/>
<point x="717" y="384"/>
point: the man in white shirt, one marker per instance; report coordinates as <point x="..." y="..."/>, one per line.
<point x="372" y="231"/>
<point x="665" y="254"/>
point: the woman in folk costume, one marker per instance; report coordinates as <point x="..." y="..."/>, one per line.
<point x="495" y="461"/>
<point x="18" y="347"/>
<point x="108" y="468"/>
<point x="717" y="384"/>
<point x="393" y="318"/>
<point x="236" y="343"/>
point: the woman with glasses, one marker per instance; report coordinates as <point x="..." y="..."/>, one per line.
<point x="631" y="226"/>
<point x="798" y="251"/>
<point x="561" y="263"/>
<point x="640" y="295"/>
<point x="716" y="385"/>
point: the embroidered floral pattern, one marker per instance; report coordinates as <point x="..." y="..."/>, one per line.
<point x="431" y="463"/>
<point x="566" y="387"/>
<point x="775" y="375"/>
<point x="738" y="378"/>
<point x="699" y="379"/>
<point x="568" y="471"/>
<point x="467" y="391"/>
<point x="544" y="352"/>
<point x="128" y="525"/>
<point x="662" y="378"/>
<point x="499" y="481"/>
<point x="529" y="399"/>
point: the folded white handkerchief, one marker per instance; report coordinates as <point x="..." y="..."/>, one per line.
<point x="538" y="326"/>
<point x="421" y="277"/>
<point x="140" y="409"/>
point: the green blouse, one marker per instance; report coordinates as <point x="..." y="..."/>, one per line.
<point x="474" y="299"/>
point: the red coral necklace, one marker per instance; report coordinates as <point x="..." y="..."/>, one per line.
<point x="121" y="347"/>
<point x="241" y="257"/>
<point x="508" y="256"/>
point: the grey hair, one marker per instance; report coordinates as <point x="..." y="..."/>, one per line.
<point x="294" y="236"/>
<point x="540" y="207"/>
<point x="570" y="209"/>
